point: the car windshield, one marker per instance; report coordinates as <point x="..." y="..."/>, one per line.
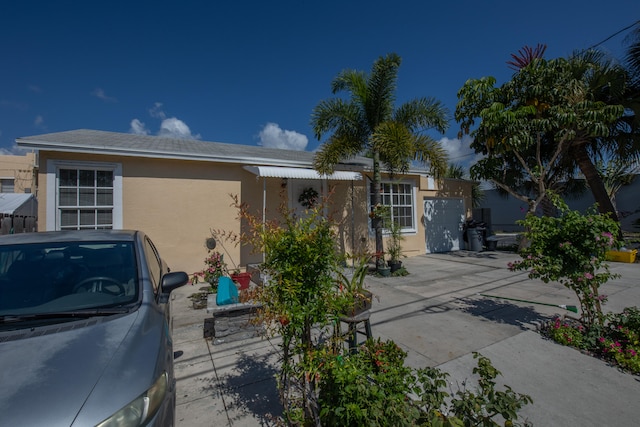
<point x="66" y="277"/>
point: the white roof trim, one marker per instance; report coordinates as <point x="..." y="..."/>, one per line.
<point x="301" y="173"/>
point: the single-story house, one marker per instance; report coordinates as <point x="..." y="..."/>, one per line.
<point x="177" y="190"/>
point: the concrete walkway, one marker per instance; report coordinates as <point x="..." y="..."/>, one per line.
<point x="438" y="316"/>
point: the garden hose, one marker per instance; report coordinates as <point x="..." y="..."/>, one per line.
<point x="571" y="308"/>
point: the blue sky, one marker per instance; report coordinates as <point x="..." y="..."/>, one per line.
<point x="250" y="72"/>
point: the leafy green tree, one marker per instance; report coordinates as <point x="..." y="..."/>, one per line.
<point x="528" y="125"/>
<point x="367" y="122"/>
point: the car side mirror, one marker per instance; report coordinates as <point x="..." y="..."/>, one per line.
<point x="172" y="281"/>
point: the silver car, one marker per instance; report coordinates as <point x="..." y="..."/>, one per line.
<point x="85" y="330"/>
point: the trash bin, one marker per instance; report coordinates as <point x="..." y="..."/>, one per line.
<point x="475" y="238"/>
<point x="492" y="243"/>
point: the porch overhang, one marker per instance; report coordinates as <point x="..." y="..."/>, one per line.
<point x="301" y="173"/>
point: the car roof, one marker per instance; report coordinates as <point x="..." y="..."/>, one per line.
<point x="70" y="236"/>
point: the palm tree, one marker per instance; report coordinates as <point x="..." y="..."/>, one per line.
<point x="608" y="83"/>
<point x="457" y="171"/>
<point x="368" y="123"/>
<point x="632" y="57"/>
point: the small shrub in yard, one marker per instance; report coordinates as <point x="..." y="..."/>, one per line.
<point x="567" y="333"/>
<point x="570" y="249"/>
<point x="621" y="342"/>
<point x="373" y="388"/>
<point x="618" y="341"/>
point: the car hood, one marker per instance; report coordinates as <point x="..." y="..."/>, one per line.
<point x="47" y="379"/>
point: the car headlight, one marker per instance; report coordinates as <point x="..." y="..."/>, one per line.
<point x="141" y="409"/>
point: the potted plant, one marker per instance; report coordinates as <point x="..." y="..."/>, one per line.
<point x="242" y="279"/>
<point x="215" y="267"/>
<point x="357" y="299"/>
<point x="395" y="247"/>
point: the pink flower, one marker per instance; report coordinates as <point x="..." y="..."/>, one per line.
<point x="588" y="276"/>
<point x="601" y="339"/>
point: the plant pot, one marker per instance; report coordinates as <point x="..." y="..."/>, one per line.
<point x="384" y="271"/>
<point x="362" y="302"/>
<point x="242" y="279"/>
<point x="395" y="265"/>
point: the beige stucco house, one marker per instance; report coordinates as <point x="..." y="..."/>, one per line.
<point x="178" y="190"/>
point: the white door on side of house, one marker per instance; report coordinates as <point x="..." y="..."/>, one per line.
<point x="443" y="224"/>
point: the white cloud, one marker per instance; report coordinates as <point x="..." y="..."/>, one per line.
<point x="100" y="94"/>
<point x="271" y="136"/>
<point x="460" y="151"/>
<point x="38" y="121"/>
<point x="138" y="128"/>
<point x="171" y="127"/>
<point x="176" y="128"/>
<point x="156" y="111"/>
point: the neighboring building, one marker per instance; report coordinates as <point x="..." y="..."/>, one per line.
<point x="18" y="213"/>
<point x="178" y="190"/>
<point x="18" y="208"/>
<point x="18" y="173"/>
<point x="505" y="211"/>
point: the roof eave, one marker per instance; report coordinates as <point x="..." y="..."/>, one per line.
<point x="105" y="150"/>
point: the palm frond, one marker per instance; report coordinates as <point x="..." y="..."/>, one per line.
<point x="335" y="115"/>
<point x="394" y="142"/>
<point x="339" y="147"/>
<point x="429" y="152"/>
<point x="352" y="81"/>
<point x="381" y="88"/>
<point x="526" y="55"/>
<point x="423" y="113"/>
<point x="455" y="170"/>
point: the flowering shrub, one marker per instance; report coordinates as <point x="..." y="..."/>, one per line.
<point x="567" y="334"/>
<point x="622" y="340"/>
<point x="570" y="249"/>
<point x="618" y="341"/>
<point x="215" y="267"/>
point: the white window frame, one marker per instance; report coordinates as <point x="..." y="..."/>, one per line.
<point x="53" y="171"/>
<point x="414" y="194"/>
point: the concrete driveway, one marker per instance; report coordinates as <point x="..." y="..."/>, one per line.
<point x="438" y="315"/>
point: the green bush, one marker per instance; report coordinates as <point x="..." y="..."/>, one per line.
<point x="373" y="388"/>
<point x="617" y="340"/>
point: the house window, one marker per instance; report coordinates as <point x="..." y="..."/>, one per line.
<point x="85" y="199"/>
<point x="399" y="196"/>
<point x="84" y="196"/>
<point x="7" y="185"/>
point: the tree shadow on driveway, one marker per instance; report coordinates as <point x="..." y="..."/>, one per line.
<point x="503" y="312"/>
<point x="250" y="389"/>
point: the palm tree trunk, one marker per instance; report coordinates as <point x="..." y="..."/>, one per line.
<point x="377" y="199"/>
<point x="588" y="169"/>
